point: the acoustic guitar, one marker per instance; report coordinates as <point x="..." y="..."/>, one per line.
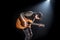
<point x="27" y="22"/>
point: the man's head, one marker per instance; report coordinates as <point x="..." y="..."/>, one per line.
<point x="38" y="15"/>
<point x="31" y="14"/>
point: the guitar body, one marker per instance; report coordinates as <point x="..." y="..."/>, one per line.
<point x="20" y="24"/>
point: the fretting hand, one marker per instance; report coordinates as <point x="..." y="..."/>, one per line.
<point x="41" y="25"/>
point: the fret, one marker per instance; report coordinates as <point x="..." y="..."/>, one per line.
<point x="34" y="23"/>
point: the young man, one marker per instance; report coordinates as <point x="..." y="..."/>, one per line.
<point x="25" y="20"/>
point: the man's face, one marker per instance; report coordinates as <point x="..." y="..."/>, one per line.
<point x="37" y="17"/>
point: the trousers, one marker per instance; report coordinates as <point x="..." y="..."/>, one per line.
<point x="28" y="33"/>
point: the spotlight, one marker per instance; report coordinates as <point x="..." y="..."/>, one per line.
<point x="48" y="0"/>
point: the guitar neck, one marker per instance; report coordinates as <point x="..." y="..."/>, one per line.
<point x="34" y="23"/>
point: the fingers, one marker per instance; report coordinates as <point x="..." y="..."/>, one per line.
<point x="41" y="25"/>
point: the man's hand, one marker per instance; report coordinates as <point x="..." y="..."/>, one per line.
<point x="41" y="25"/>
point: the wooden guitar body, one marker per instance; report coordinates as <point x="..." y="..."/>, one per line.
<point x="19" y="23"/>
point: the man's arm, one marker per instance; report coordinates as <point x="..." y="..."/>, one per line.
<point x="31" y="22"/>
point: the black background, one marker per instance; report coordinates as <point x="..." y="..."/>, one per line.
<point x="11" y="8"/>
